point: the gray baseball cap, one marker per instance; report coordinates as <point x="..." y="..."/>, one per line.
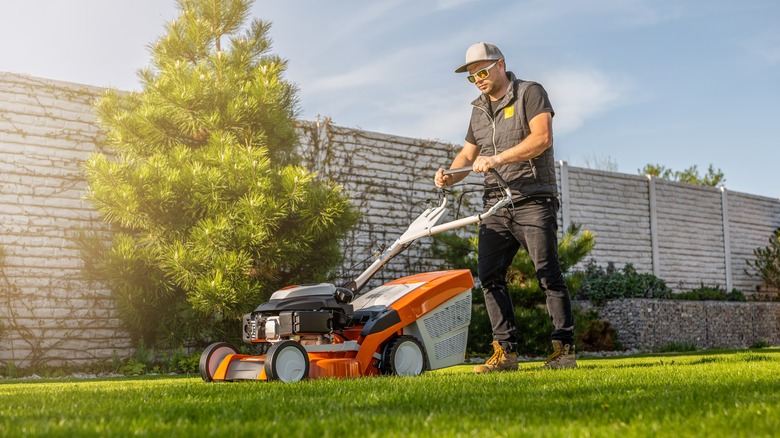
<point x="480" y="52"/>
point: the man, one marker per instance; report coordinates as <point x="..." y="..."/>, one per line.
<point x="511" y="131"/>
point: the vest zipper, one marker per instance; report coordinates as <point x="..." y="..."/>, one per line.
<point x="495" y="148"/>
<point x="493" y="126"/>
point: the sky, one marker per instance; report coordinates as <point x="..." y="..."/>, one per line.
<point x="632" y="82"/>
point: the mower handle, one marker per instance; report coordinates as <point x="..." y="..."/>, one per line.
<point x="465" y="169"/>
<point x="425" y="225"/>
<point x="457" y="170"/>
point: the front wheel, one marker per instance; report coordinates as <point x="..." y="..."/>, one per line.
<point x="287" y="361"/>
<point x="212" y="357"/>
<point x="404" y="356"/>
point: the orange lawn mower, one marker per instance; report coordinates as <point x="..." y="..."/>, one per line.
<point x="403" y="327"/>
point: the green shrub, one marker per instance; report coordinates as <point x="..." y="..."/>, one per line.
<point x="763" y="343"/>
<point x="533" y="330"/>
<point x="10" y="370"/>
<point x="710" y="293"/>
<point x="144" y="361"/>
<point x="602" y="284"/>
<point x="676" y="347"/>
<point x="591" y="333"/>
<point x="189" y="364"/>
<point x="133" y="367"/>
<point x="480" y="332"/>
<point x="766" y="266"/>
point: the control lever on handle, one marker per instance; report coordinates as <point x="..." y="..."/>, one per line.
<point x="498" y="178"/>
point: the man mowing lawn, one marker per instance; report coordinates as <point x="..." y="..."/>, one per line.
<point x="511" y="131"/>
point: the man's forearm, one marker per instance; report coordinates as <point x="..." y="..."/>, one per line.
<point x="531" y="147"/>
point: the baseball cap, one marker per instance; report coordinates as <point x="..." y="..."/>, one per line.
<point x="480" y="52"/>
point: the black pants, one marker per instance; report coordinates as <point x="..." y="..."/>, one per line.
<point x="533" y="225"/>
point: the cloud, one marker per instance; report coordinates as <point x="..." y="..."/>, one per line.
<point x="765" y="46"/>
<point x="639" y="13"/>
<point x="375" y="71"/>
<point x="581" y="94"/>
<point x="452" y="4"/>
<point x="440" y="114"/>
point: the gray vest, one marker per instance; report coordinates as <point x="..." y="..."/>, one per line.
<point x="506" y="127"/>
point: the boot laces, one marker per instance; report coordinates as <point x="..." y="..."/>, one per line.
<point x="556" y="354"/>
<point x="498" y="354"/>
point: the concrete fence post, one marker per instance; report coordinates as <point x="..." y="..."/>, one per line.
<point x="654" y="226"/>
<point x="726" y="236"/>
<point x="565" y="205"/>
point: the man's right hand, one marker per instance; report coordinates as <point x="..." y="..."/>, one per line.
<point x="441" y="180"/>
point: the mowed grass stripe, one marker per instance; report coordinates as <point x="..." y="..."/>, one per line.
<point x="727" y="394"/>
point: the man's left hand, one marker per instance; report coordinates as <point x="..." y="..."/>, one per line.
<point x="483" y="163"/>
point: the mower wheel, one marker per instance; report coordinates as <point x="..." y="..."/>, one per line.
<point x="212" y="357"/>
<point x="287" y="361"/>
<point x="404" y="356"/>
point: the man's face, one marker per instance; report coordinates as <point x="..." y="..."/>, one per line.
<point x="495" y="77"/>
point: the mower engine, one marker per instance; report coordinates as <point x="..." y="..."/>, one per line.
<point x="299" y="312"/>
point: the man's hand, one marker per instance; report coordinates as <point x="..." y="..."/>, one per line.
<point x="482" y="164"/>
<point x="441" y="180"/>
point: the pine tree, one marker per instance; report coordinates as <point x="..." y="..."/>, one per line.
<point x="201" y="184"/>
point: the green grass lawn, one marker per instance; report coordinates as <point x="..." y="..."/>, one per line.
<point x="706" y="394"/>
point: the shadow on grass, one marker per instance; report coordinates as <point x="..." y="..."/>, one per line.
<point x="684" y="359"/>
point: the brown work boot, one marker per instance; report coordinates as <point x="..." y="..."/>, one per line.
<point x="500" y="361"/>
<point x="562" y="357"/>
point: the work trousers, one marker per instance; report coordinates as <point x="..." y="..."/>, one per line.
<point x="533" y="225"/>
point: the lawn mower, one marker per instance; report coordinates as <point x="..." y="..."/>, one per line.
<point x="403" y="327"/>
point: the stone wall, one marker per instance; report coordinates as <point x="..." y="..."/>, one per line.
<point x="651" y="323"/>
<point x="48" y="314"/>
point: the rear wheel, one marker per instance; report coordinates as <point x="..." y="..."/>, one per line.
<point x="404" y="356"/>
<point x="212" y="357"/>
<point x="287" y="361"/>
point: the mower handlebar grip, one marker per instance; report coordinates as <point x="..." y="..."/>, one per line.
<point x="457" y="170"/>
<point x="493" y="172"/>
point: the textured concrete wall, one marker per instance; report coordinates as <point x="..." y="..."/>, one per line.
<point x="48" y="315"/>
<point x="390" y="180"/>
<point x="686" y="234"/>
<point x="616" y="208"/>
<point x="642" y="323"/>
<point x="47" y="129"/>
<point x="751" y="220"/>
<point x="691" y="230"/>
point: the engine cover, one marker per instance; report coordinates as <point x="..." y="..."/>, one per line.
<point x="259" y="327"/>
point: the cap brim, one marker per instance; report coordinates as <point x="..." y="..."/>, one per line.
<point x="463" y="68"/>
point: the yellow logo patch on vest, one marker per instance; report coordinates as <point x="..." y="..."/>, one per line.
<point x="509" y="112"/>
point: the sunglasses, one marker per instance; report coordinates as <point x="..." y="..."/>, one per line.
<point x="480" y="74"/>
